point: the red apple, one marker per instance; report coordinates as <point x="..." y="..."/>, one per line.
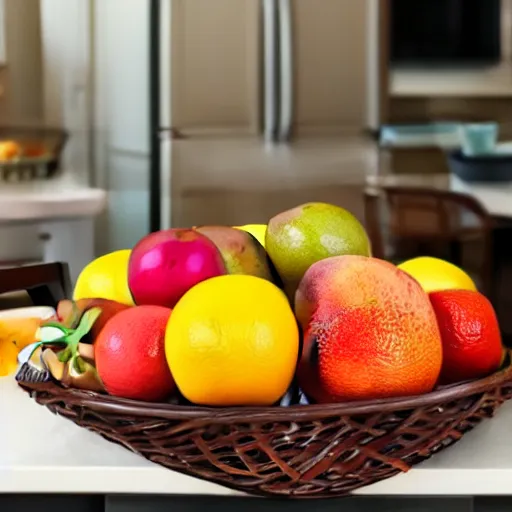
<point x="164" y="265"/>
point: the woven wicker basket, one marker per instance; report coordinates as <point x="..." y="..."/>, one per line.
<point x="313" y="451"/>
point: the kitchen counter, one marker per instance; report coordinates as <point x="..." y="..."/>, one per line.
<point x="49" y="199"/>
<point x="43" y="453"/>
<point x="63" y="209"/>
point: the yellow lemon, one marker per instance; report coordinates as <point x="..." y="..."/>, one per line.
<point x="232" y="340"/>
<point x="106" y="278"/>
<point x="434" y="274"/>
<point x="258" y="231"/>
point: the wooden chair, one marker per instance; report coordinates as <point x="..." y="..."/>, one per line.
<point x="45" y="284"/>
<point x="427" y="220"/>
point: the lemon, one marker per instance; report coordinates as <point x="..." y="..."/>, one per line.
<point x="106" y="278"/>
<point x="435" y="274"/>
<point x="258" y="231"/>
<point x="232" y="340"/>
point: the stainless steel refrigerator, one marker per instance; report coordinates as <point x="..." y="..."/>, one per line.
<point x="259" y="96"/>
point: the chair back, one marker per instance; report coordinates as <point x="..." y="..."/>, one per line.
<point x="46" y="284"/>
<point x="428" y="218"/>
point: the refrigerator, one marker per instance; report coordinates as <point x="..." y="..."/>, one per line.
<point x="252" y="102"/>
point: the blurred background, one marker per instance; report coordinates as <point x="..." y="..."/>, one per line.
<point x="121" y="117"/>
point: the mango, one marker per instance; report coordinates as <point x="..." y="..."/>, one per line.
<point x="241" y="251"/>
<point x="370" y="332"/>
<point x="299" y="237"/>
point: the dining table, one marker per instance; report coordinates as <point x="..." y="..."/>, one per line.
<point x="495" y="197"/>
<point x="48" y="461"/>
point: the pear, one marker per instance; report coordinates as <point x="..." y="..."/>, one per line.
<point x="299" y="237"/>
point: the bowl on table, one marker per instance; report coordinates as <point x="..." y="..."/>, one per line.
<point x="494" y="167"/>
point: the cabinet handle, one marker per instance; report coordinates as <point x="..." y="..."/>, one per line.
<point x="286" y="70"/>
<point x="171" y="133"/>
<point x="270" y="51"/>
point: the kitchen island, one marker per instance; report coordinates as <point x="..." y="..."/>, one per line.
<point x="78" y="471"/>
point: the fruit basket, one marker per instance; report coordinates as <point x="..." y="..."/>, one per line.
<point x="308" y="451"/>
<point x="302" y="377"/>
<point x="29" y="153"/>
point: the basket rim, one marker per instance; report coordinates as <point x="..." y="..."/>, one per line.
<point x="121" y="406"/>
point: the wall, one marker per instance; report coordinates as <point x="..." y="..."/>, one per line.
<point x="95" y="78"/>
<point x="121" y="120"/>
<point x="66" y="40"/>
<point x="21" y="101"/>
<point x="23" y="78"/>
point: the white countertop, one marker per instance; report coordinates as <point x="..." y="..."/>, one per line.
<point x="495" y="197"/>
<point x="43" y="453"/>
<point x="61" y="197"/>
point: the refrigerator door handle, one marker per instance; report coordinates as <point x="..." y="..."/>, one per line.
<point x="286" y="70"/>
<point x="270" y="56"/>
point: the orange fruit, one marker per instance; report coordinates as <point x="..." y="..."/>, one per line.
<point x="471" y="335"/>
<point x="369" y="332"/>
<point x="130" y="354"/>
<point x="9" y="149"/>
<point x="233" y="340"/>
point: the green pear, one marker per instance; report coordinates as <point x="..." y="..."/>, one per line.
<point x="299" y="237"/>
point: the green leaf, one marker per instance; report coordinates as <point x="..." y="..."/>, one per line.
<point x="65" y="355"/>
<point x="78" y="364"/>
<point x="56" y="335"/>
<point x="87" y="321"/>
